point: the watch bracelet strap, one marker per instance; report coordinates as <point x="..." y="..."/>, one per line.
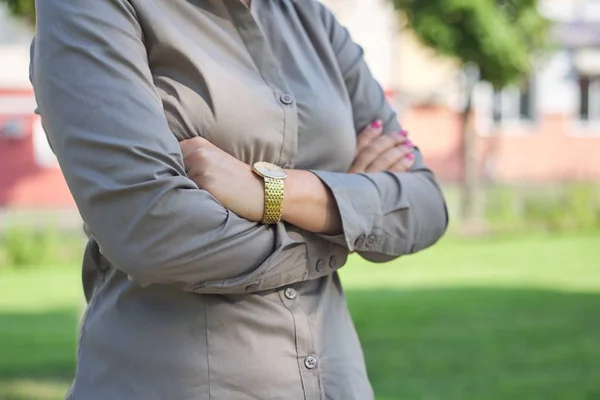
<point x="273" y="200"/>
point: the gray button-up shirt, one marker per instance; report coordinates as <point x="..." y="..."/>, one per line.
<point x="186" y="299"/>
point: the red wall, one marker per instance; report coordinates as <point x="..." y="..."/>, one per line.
<point x="551" y="150"/>
<point x="22" y="182"/>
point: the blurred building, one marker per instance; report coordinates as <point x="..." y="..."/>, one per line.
<point x="544" y="131"/>
<point x="29" y="175"/>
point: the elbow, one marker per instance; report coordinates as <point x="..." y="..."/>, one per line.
<point x="419" y="225"/>
<point x="440" y="226"/>
<point x="377" y="258"/>
<point x="145" y="274"/>
<point x="442" y="216"/>
<point x="133" y="262"/>
<point x="435" y="226"/>
<point x="142" y="265"/>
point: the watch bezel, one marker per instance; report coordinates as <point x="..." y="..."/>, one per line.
<point x="269" y="170"/>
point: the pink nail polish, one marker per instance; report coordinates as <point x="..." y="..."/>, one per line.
<point x="410" y="156"/>
<point x="376" y="124"/>
<point x="403" y="133"/>
<point x="409" y="144"/>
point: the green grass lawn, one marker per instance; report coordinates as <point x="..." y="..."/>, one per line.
<point x="468" y="320"/>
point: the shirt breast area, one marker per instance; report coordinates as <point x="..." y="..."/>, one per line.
<point x="269" y="99"/>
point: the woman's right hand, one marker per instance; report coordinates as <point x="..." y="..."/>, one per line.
<point x="376" y="152"/>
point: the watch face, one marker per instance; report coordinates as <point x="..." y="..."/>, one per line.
<point x="270" y="170"/>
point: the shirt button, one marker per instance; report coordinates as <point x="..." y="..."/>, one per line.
<point x="359" y="241"/>
<point x="320" y="265"/>
<point x="251" y="287"/>
<point x="370" y="241"/>
<point x="286" y="99"/>
<point x="291" y="293"/>
<point x="310" y="362"/>
<point x="333" y="262"/>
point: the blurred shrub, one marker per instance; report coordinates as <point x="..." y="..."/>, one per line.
<point x="569" y="208"/>
<point x="503" y="209"/>
<point x="29" y="247"/>
<point x="577" y="208"/>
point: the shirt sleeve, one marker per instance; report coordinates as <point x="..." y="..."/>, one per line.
<point x="123" y="165"/>
<point x="384" y="215"/>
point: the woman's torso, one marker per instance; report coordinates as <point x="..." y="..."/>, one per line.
<point x="213" y="66"/>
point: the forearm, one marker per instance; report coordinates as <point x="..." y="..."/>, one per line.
<point x="309" y="204"/>
<point x="384" y="215"/>
<point x="390" y="214"/>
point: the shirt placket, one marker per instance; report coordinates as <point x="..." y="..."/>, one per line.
<point x="270" y="70"/>
<point x="308" y="361"/>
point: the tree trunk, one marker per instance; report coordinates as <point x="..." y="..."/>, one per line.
<point x="471" y="207"/>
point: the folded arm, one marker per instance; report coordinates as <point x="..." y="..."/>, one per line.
<point x="381" y="215"/>
<point x="385" y="214"/>
<point x="124" y="167"/>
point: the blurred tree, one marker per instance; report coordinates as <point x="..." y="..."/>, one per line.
<point x="494" y="41"/>
<point x="22" y="8"/>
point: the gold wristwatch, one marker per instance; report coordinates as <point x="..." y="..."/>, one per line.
<point x="274" y="177"/>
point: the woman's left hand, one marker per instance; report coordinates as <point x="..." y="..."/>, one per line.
<point x="376" y="152"/>
<point x="229" y="180"/>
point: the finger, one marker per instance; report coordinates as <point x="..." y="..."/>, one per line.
<point x="354" y="170"/>
<point x="390" y="158"/>
<point x="365" y="138"/>
<point x="197" y="158"/>
<point x="405" y="164"/>
<point x="191" y="157"/>
<point x="193" y="143"/>
<point x="367" y="135"/>
<point x="375" y="149"/>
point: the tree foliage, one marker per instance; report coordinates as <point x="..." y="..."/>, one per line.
<point x="498" y="36"/>
<point x="24" y="9"/>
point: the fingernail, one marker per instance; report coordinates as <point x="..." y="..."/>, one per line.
<point x="409" y="144"/>
<point x="376" y="124"/>
<point x="403" y="133"/>
<point x="410" y="156"/>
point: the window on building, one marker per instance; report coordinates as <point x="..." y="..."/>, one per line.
<point x="589" y="98"/>
<point x="515" y="103"/>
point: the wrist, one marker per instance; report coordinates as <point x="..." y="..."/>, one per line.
<point x="294" y="191"/>
<point x="273" y="189"/>
<point x="309" y="204"/>
<point x="258" y="211"/>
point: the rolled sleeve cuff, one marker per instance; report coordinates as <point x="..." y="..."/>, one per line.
<point x="360" y="208"/>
